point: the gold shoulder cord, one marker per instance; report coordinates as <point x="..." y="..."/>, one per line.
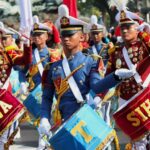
<point x="102" y="49"/>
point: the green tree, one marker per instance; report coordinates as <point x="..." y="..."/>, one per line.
<point x="86" y="9"/>
<point x="94" y="6"/>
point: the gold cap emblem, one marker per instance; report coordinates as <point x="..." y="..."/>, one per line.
<point x="122" y="15"/>
<point x="36" y="26"/>
<point x="94" y="26"/>
<point x="64" y="21"/>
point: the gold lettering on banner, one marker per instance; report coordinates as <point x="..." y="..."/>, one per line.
<point x="79" y="128"/>
<point x="146" y="106"/>
<point x="5" y="107"/>
<point x="143" y="111"/>
<point x="140" y="113"/>
<point x="131" y="117"/>
<point x="1" y="115"/>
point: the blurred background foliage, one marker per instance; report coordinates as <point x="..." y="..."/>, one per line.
<point x="47" y="9"/>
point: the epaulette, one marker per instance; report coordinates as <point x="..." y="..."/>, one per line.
<point x="95" y="56"/>
<point x="145" y="37"/>
<point x="111" y="50"/>
<point x="47" y="66"/>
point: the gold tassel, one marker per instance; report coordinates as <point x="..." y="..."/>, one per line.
<point x="116" y="141"/>
<point x="128" y="146"/>
<point x="112" y="134"/>
<point x="25" y="117"/>
<point x="36" y="122"/>
<point x="10" y="140"/>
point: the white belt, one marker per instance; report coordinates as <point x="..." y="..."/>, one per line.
<point x="137" y="77"/>
<point x="94" y="50"/>
<point x="37" y="57"/>
<point x="5" y="85"/>
<point x="72" y="83"/>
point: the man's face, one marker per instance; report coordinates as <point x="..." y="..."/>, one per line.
<point x="129" y="32"/>
<point x="71" y="42"/>
<point x="97" y="36"/>
<point x="40" y="39"/>
<point x="7" y="41"/>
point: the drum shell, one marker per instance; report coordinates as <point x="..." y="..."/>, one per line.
<point x="33" y="102"/>
<point x="84" y="130"/>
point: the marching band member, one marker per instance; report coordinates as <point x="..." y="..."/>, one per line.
<point x="133" y="52"/>
<point x="72" y="78"/>
<point x="53" y="42"/>
<point x="11" y="110"/>
<point x="97" y="34"/>
<point x="41" y="55"/>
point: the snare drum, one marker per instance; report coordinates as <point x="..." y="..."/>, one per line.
<point x="85" y="130"/>
<point x="33" y="101"/>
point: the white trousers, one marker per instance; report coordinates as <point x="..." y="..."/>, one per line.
<point x="141" y="144"/>
<point x="4" y="137"/>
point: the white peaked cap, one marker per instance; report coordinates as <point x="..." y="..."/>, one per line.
<point x="5" y="30"/>
<point x="35" y="19"/>
<point x="124" y="16"/>
<point x="63" y="12"/>
<point x="39" y="27"/>
<point x="94" y="19"/>
<point x="94" y="26"/>
<point x="130" y="17"/>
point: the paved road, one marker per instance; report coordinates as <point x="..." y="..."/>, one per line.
<point x="29" y="139"/>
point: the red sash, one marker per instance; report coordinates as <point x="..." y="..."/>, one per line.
<point x="134" y="118"/>
<point x="10" y="110"/>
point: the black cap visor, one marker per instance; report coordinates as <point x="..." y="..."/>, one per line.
<point x="37" y="33"/>
<point x="68" y="32"/>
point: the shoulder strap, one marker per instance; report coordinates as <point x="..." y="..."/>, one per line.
<point x="137" y="77"/>
<point x="72" y="83"/>
<point x="5" y="85"/>
<point x="94" y="50"/>
<point x="37" y="58"/>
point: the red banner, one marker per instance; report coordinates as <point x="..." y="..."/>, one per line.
<point x="72" y="5"/>
<point x="10" y="110"/>
<point x="134" y="118"/>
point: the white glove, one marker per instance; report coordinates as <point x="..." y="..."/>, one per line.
<point x="97" y="102"/>
<point x="44" y="127"/>
<point x="124" y="73"/>
<point x="144" y="27"/>
<point x="23" y="88"/>
<point x="25" y="40"/>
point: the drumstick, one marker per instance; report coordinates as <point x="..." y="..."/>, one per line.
<point x="20" y="34"/>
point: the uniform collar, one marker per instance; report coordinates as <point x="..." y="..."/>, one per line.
<point x="42" y="49"/>
<point x="78" y="54"/>
<point x="100" y="43"/>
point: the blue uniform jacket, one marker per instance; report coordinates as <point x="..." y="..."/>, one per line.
<point x="33" y="70"/>
<point x="87" y="78"/>
<point x="103" y="53"/>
